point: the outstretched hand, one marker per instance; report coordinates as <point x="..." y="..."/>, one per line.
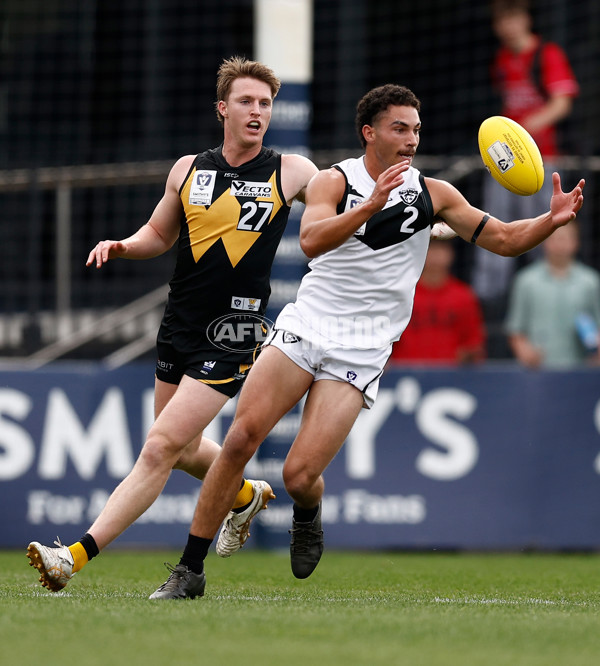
<point x="564" y="206"/>
<point x="105" y="250"/>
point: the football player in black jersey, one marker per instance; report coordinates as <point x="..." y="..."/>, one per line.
<point x="227" y="207"/>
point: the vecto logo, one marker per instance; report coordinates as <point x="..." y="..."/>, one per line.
<point x="239" y="332"/>
<point x="246" y="188"/>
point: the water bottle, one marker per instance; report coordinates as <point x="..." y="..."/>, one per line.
<point x="587" y="330"/>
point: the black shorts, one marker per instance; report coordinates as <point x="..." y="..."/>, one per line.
<point x="224" y="375"/>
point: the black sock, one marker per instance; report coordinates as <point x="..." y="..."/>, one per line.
<point x="195" y="553"/>
<point x="305" y="515"/>
<point x="89" y="544"/>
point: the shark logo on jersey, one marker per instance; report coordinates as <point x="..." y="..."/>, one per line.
<point x="409" y="195"/>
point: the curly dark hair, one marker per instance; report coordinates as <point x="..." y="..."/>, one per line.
<point x="376" y="101"/>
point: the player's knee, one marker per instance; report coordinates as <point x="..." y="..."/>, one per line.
<point x="242" y="440"/>
<point x="298" y="479"/>
<point x="160" y="450"/>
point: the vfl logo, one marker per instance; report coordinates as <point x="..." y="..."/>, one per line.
<point x="239" y="333"/>
<point x="202" y="188"/>
<point x="203" y="179"/>
<point x="409" y="195"/>
<point x="351" y="376"/>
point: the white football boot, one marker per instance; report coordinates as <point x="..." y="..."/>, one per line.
<point x="236" y="528"/>
<point x="54" y="564"/>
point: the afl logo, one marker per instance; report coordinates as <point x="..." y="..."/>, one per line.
<point x="239" y="332"/>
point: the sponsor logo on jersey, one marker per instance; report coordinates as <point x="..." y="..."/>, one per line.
<point x="251" y="304"/>
<point x="409" y="195"/>
<point x="247" y="188"/>
<point x="351" y="376"/>
<point x="201" y="189"/>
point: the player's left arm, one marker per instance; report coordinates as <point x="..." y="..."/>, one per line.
<point x="510" y="240"/>
<point x="296" y="172"/>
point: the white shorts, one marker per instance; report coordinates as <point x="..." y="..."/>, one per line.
<point x="360" y="367"/>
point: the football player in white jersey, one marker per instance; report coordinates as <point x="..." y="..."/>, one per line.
<point x="366" y="225"/>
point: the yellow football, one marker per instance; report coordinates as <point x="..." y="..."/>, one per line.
<point x="511" y="155"/>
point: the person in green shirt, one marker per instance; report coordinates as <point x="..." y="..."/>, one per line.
<point x="551" y="302"/>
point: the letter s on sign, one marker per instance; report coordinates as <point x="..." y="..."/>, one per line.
<point x="17" y="450"/>
<point x="461" y="446"/>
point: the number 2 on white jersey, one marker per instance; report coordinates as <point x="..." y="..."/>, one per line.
<point x="406" y="227"/>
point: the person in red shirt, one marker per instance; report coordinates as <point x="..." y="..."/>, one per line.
<point x="533" y="77"/>
<point x="537" y="86"/>
<point x="446" y="326"/>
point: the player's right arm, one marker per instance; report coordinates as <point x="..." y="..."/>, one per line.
<point x="158" y="234"/>
<point x="321" y="228"/>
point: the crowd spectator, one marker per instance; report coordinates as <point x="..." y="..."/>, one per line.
<point x="536" y="86"/>
<point x="446" y="325"/>
<point x="554" y="307"/>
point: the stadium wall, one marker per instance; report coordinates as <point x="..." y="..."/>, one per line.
<point x="492" y="458"/>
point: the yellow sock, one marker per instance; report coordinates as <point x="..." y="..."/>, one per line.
<point x="244" y="496"/>
<point x="79" y="556"/>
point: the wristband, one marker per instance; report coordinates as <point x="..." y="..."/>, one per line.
<point x="479" y="229"/>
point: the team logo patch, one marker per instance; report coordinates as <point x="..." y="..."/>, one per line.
<point x="207" y="367"/>
<point x="201" y="189"/>
<point x="250" y="304"/>
<point x="409" y="195"/>
<point x="247" y="188"/>
<point x="290" y="337"/>
<point x="351" y="376"/>
<point x="361" y="230"/>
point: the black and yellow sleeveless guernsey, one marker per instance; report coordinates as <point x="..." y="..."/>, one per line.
<point x="233" y="220"/>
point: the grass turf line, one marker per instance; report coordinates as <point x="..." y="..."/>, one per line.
<point x="357" y="608"/>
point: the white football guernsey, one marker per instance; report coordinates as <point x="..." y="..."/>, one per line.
<point x="361" y="293"/>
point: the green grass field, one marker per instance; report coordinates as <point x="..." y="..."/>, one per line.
<point x="357" y="608"/>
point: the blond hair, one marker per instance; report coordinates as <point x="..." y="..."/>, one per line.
<point x="237" y="68"/>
